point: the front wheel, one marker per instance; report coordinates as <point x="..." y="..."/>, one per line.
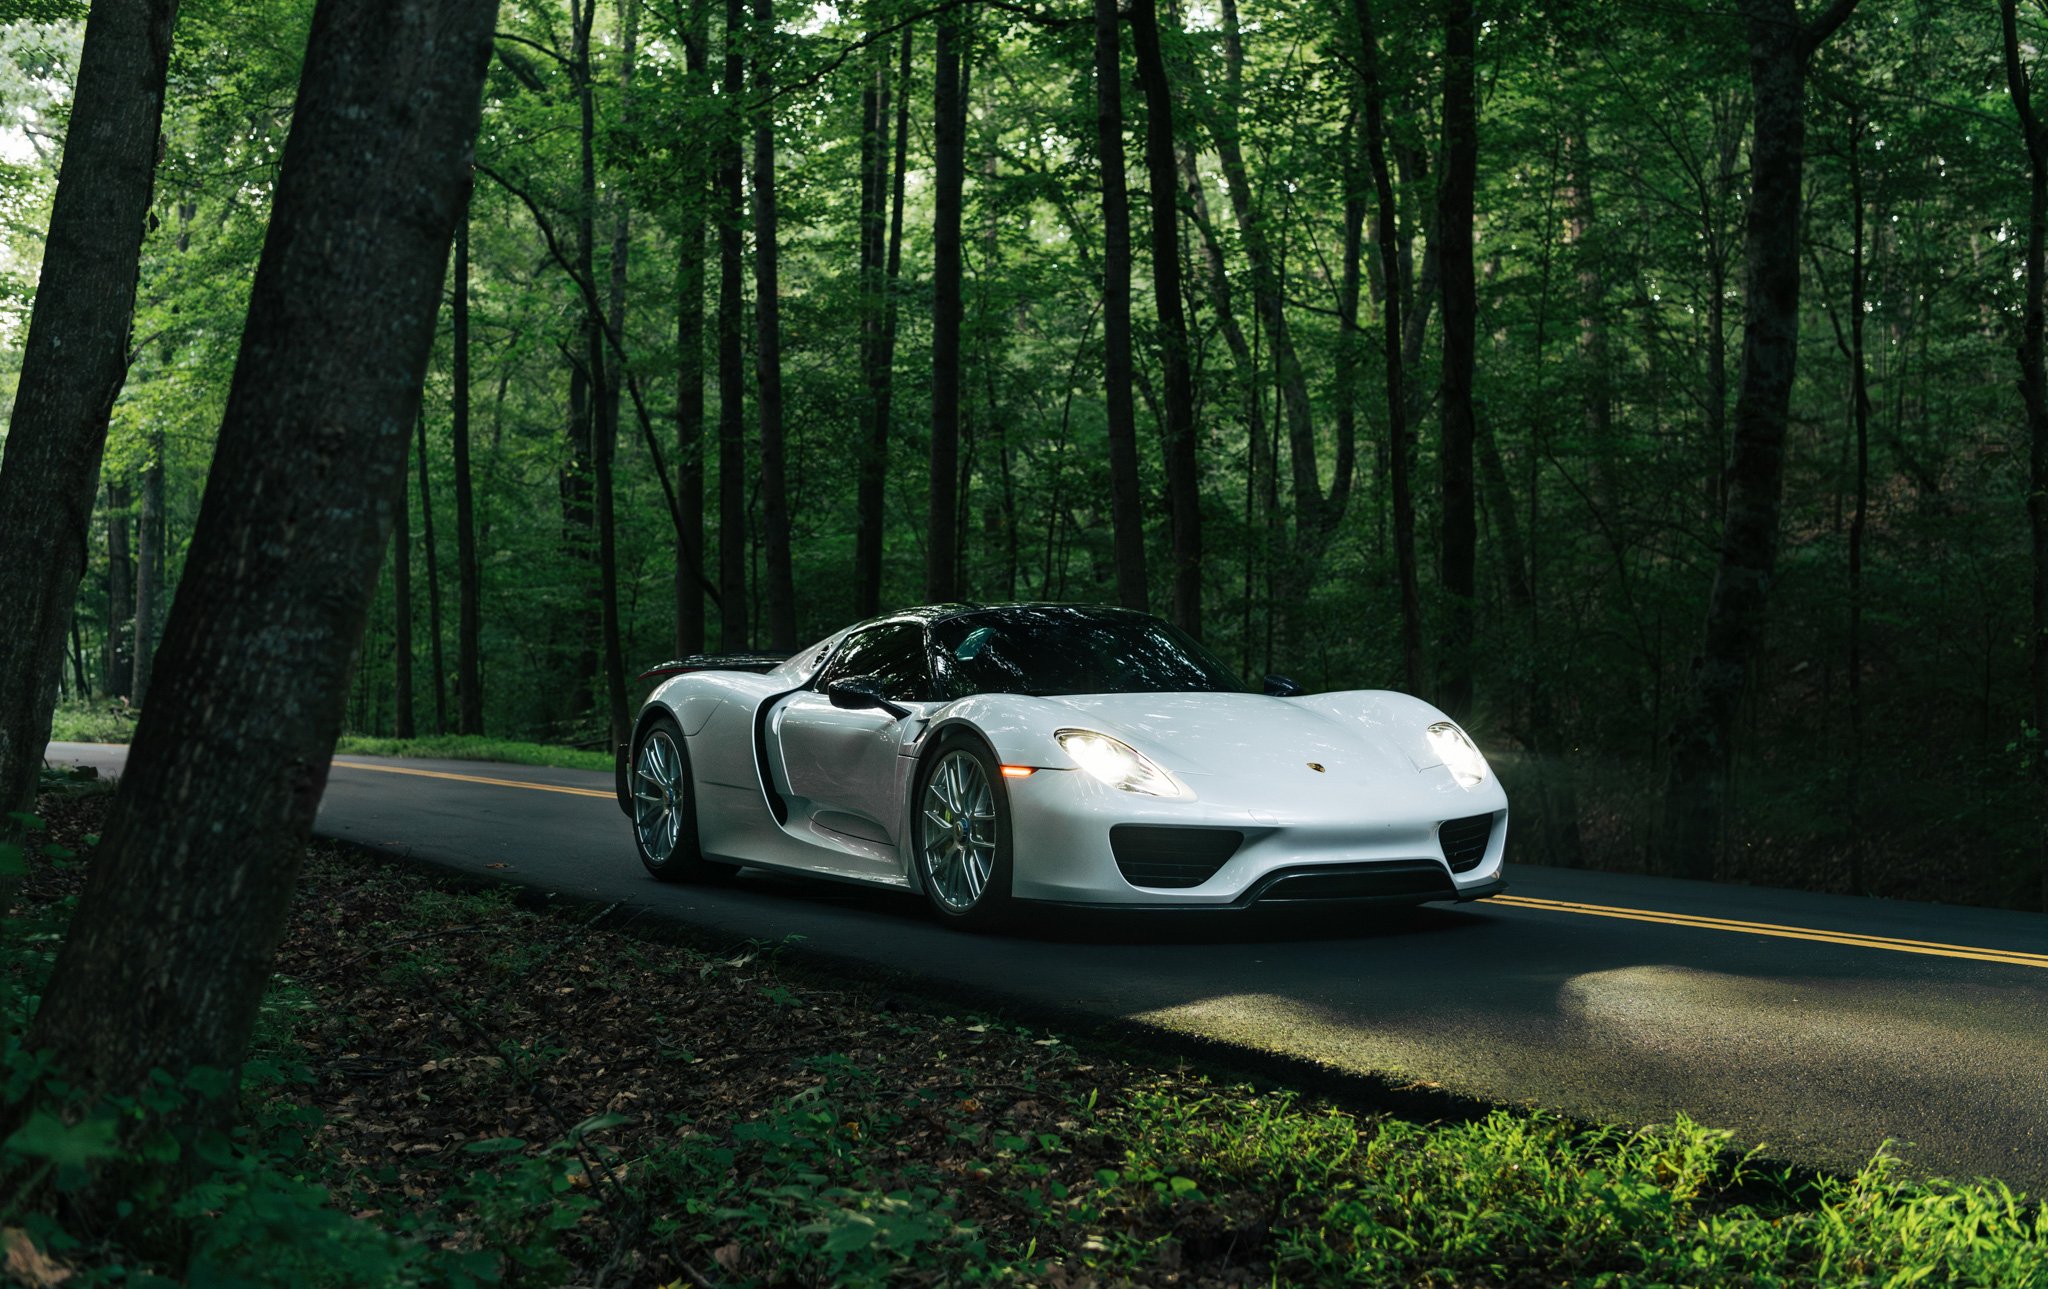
<point x="960" y="824"/>
<point x="665" y="809"/>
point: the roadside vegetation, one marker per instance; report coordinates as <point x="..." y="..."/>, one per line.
<point x="463" y="1086"/>
<point x="113" y="721"/>
<point x="99" y="720"/>
<point x="476" y="747"/>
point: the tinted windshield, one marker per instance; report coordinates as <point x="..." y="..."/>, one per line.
<point x="1053" y="649"/>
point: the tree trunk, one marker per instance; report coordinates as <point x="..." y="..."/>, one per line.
<point x="732" y="391"/>
<point x="1458" y="548"/>
<point x="781" y="589"/>
<point x="469" y="680"/>
<point x="79" y="676"/>
<point x="1268" y="298"/>
<point x="1183" y="460"/>
<point x="1859" y="399"/>
<point x="892" y="270"/>
<point x="401" y="616"/>
<point x="885" y="359"/>
<point x="603" y="381"/>
<point x="1704" y="731"/>
<point x="579" y="521"/>
<point x="149" y="566"/>
<point x="434" y="658"/>
<point x="120" y="652"/>
<point x="690" y="353"/>
<point x="73" y="362"/>
<point x="1385" y="236"/>
<point x="949" y="163"/>
<point x="869" y="520"/>
<point x="185" y="899"/>
<point x="1127" y="516"/>
<point x="2034" y="392"/>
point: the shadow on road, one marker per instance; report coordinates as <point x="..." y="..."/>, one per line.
<point x="1280" y="924"/>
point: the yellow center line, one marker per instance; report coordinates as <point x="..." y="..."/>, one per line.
<point x="476" y="778"/>
<point x="2011" y="957"/>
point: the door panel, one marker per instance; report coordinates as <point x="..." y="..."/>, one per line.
<point x="840" y="765"/>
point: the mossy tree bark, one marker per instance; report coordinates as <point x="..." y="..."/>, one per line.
<point x="73" y="364"/>
<point x="173" y="940"/>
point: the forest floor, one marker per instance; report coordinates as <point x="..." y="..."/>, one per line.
<point x="459" y="1085"/>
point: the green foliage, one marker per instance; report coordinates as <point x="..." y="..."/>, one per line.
<point x="94" y="721"/>
<point x="1511" y="1195"/>
<point x="464" y="747"/>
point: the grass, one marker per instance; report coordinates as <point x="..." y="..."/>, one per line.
<point x="101" y="720"/>
<point x="455" y="1086"/>
<point x="470" y="747"/>
<point x="113" y="721"/>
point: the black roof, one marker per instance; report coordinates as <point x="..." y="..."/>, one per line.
<point x="935" y="613"/>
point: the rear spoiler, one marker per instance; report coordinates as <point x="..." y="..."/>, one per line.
<point x="755" y="662"/>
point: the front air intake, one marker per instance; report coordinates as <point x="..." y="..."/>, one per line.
<point x="1171" y="858"/>
<point x="1464" y="841"/>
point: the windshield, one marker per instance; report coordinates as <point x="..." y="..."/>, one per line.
<point x="1055" y="649"/>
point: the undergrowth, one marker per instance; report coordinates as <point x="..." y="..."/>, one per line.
<point x="455" y="1087"/>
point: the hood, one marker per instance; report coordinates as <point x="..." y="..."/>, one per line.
<point x="1238" y="735"/>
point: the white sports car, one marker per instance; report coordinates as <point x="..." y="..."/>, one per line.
<point x="1054" y="754"/>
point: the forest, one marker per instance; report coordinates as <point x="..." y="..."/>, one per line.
<point x="1654" y="385"/>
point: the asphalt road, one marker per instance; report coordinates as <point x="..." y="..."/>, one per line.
<point x="1816" y="1026"/>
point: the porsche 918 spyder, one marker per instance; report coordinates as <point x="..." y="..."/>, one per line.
<point x="991" y="757"/>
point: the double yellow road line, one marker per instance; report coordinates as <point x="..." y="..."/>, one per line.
<point x="1854" y="939"/>
<point x="1736" y="926"/>
<point x="474" y="778"/>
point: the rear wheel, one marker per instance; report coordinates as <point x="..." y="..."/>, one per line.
<point x="960" y="825"/>
<point x="665" y="808"/>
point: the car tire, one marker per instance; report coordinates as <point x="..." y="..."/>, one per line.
<point x="664" y="810"/>
<point x="960" y="833"/>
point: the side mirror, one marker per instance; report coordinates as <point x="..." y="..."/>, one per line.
<point x="859" y="693"/>
<point x="1281" y="687"/>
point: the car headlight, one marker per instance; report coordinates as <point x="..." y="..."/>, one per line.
<point x="1116" y="763"/>
<point x="1457" y="753"/>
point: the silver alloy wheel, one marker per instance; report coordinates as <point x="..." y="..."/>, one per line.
<point x="658" y="796"/>
<point x="957" y="831"/>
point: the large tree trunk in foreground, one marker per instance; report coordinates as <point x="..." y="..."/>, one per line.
<point x="1126" y="510"/>
<point x="1459" y="546"/>
<point x="1183" y="466"/>
<point x="781" y="589"/>
<point x="72" y="366"/>
<point x="949" y="165"/>
<point x="186" y="896"/>
<point x="1703" y="733"/>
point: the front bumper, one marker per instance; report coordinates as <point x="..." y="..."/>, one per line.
<point x="1374" y="844"/>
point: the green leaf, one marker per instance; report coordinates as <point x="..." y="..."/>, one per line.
<point x="67" y="1145"/>
<point x="598" y="1123"/>
<point x="496" y="1146"/>
<point x="13" y="860"/>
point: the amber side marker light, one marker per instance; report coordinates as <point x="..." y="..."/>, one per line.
<point x="1019" y="771"/>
